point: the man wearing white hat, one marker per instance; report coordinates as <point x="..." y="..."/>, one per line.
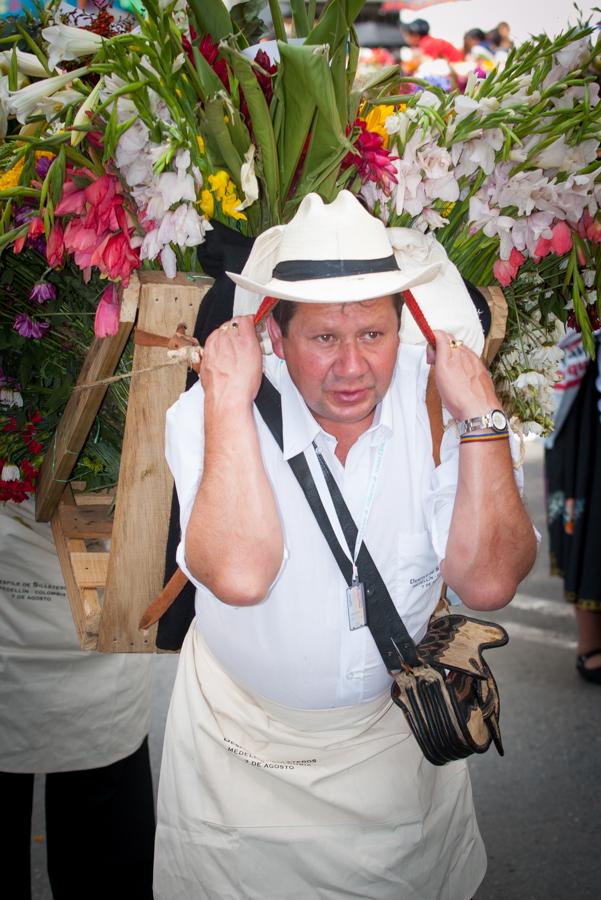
<point x="287" y="771"/>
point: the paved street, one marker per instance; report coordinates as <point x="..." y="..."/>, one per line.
<point x="539" y="806"/>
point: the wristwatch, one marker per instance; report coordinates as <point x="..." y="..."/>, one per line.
<point x="495" y="420"/>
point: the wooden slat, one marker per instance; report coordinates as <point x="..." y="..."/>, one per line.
<point x="87" y="640"/>
<point x="81" y="410"/>
<point x="90" y="569"/>
<point x="136" y="566"/>
<point x="98" y="498"/>
<point x="89" y="522"/>
<point x="497" y="304"/>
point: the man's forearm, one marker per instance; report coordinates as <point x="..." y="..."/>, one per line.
<point x="491" y="545"/>
<point x="234" y="542"/>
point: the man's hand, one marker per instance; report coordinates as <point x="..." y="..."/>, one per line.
<point x="464" y="384"/>
<point x="232" y="365"/>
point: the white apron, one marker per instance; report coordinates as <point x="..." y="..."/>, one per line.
<point x="61" y="708"/>
<point x="259" y="801"/>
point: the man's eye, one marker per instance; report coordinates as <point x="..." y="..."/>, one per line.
<point x="372" y="335"/>
<point x="325" y="338"/>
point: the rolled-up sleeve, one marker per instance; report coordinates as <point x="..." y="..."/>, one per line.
<point x="443" y="487"/>
<point x="184" y="450"/>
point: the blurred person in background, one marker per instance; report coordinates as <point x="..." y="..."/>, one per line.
<point x="573" y="487"/>
<point x="78" y="717"/>
<point x="417" y="36"/>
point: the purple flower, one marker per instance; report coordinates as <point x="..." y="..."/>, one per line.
<point x="42" y="165"/>
<point x="24" y="214"/>
<point x="30" y="329"/>
<point x="42" y="292"/>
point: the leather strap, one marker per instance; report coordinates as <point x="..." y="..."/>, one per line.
<point x="163" y="601"/>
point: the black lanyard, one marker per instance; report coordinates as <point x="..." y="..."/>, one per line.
<point x="386" y="626"/>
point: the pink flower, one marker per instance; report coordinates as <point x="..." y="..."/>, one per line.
<point x="73" y="200"/>
<point x="505" y="270"/>
<point x="106" y="322"/>
<point x="55" y="246"/>
<point x="593" y="231"/>
<point x="560" y="242"/>
<point x="26" y="327"/>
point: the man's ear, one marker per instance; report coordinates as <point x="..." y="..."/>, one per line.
<point x="276" y="337"/>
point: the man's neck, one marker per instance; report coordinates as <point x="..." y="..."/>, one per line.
<point x="346" y="433"/>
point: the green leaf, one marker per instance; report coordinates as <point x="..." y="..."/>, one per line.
<point x="306" y="93"/>
<point x="299" y="15"/>
<point x="212" y="18"/>
<point x="262" y="127"/>
<point x="334" y="24"/>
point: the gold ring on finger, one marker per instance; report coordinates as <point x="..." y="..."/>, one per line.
<point x="455" y="342"/>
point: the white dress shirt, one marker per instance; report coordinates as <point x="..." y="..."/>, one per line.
<point x="296" y="647"/>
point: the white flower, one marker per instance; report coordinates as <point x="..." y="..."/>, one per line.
<point x="10" y="473"/>
<point x="10" y="398"/>
<point x="427" y="98"/>
<point x="178" y="185"/>
<point x="169" y="261"/>
<point x="248" y="179"/>
<point x="3" y="105"/>
<point x="82" y="117"/>
<point x="567" y="158"/>
<point x="430" y="219"/>
<point x="26" y="101"/>
<point x="532" y="428"/>
<point x="530" y="380"/>
<point x="27" y="63"/>
<point x="66" y="42"/>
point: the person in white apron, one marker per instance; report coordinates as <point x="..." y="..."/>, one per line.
<point x="78" y="717"/>
<point x="287" y="772"/>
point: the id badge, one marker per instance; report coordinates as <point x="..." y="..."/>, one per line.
<point x="355" y="601"/>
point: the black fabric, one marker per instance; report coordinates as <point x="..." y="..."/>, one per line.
<point x="386" y="626"/>
<point x="223" y="250"/>
<point x="99" y="831"/>
<point x="482" y="307"/>
<point x="16" y="791"/>
<point x="104" y="815"/>
<point x="573" y="488"/>
<point x="311" y="270"/>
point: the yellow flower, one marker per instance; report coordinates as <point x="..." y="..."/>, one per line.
<point x="229" y="204"/>
<point x="446" y="210"/>
<point x="10" y="178"/>
<point x="376" y="118"/>
<point x="207" y="204"/>
<point x="219" y="182"/>
<point x="201" y="143"/>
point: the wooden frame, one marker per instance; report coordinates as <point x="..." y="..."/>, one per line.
<point x="109" y="589"/>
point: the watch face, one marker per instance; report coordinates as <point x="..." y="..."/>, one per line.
<point x="498" y="420"/>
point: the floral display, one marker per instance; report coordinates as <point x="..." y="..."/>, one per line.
<point x="122" y="141"/>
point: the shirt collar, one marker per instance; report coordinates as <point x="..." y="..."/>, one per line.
<point x="300" y="429"/>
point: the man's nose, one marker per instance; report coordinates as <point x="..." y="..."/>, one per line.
<point x="350" y="362"/>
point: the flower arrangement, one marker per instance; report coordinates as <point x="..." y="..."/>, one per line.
<point x="122" y="144"/>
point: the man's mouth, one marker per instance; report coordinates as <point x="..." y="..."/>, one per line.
<point x="351" y="396"/>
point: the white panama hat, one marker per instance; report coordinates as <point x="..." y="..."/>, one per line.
<point x="326" y="240"/>
<point x="328" y="253"/>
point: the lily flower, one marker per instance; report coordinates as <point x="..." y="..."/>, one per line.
<point x="66" y="42"/>
<point x="27" y="63"/>
<point x="26" y="101"/>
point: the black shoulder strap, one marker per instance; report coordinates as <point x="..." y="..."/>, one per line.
<point x="387" y="628"/>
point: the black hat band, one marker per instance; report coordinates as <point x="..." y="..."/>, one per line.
<point x="312" y="270"/>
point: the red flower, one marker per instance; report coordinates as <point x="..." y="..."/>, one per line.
<point x="559" y="243"/>
<point x="210" y="51"/>
<point x="371" y="159"/>
<point x="265" y="81"/>
<point x="11" y="424"/>
<point x="106" y="322"/>
<point x="55" y="246"/>
<point x="505" y="270"/>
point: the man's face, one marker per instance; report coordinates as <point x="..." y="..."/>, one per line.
<point x="340" y="356"/>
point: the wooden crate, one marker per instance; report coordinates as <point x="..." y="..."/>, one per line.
<point x="111" y="583"/>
